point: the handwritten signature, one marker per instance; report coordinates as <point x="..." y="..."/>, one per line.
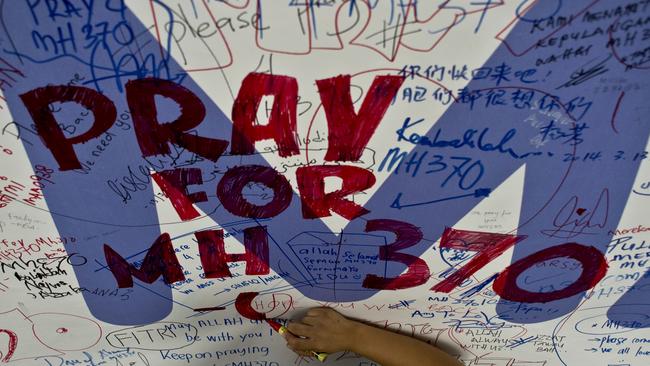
<point x="573" y="220"/>
<point x="479" y="321"/>
<point x="583" y="74"/>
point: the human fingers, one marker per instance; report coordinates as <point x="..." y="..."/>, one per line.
<point x="304" y="353"/>
<point x="312" y="320"/>
<point x="300" y="329"/>
<point x="298" y="344"/>
<point x="320" y="311"/>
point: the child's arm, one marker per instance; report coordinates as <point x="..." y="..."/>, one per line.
<point x="325" y="330"/>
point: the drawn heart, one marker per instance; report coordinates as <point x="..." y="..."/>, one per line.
<point x="13" y="343"/>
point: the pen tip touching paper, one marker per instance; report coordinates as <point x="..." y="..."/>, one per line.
<point x="276" y="326"/>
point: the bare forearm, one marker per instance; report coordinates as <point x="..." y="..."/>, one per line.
<point x="393" y="349"/>
<point x="325" y="330"/>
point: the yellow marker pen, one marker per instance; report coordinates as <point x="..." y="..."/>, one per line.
<point x="321" y="356"/>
